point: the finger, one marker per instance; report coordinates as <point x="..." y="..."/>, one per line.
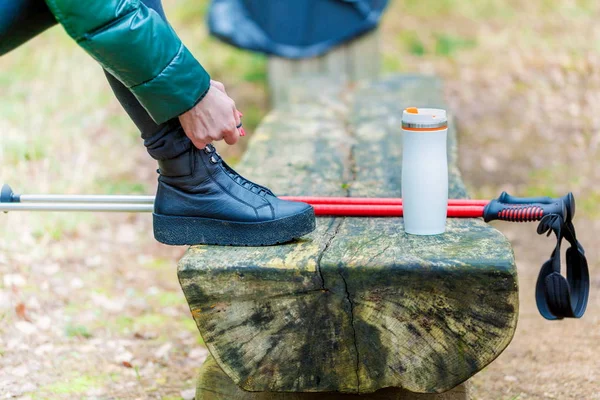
<point x="238" y="122"/>
<point x="201" y="144"/>
<point x="232" y="136"/>
<point x="218" y="85"/>
<point x="237" y="116"/>
<point x="241" y="130"/>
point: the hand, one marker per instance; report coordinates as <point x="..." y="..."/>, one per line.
<point x="221" y="87"/>
<point x="213" y="118"/>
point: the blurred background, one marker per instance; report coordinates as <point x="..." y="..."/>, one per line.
<point x="90" y="305"/>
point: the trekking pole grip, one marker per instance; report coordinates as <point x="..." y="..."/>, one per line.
<point x="7" y="195"/>
<point x="568" y="200"/>
<point x="497" y="210"/>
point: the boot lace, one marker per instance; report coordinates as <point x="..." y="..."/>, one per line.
<point x="215" y="158"/>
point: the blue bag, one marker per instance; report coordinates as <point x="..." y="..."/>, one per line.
<point x="292" y="28"/>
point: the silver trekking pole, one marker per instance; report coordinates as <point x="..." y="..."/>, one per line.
<point x="10" y="201"/>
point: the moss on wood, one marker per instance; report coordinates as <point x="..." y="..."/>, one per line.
<point x="358" y="305"/>
<point x="214" y="384"/>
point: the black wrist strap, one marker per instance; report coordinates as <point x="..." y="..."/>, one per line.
<point x="558" y="297"/>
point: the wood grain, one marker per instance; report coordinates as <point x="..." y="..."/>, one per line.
<point x="356" y="60"/>
<point x="358" y="305"/>
<point x="214" y="384"/>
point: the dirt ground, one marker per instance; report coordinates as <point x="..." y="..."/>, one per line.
<point x="523" y="134"/>
<point x="90" y="306"/>
<point x="547" y="359"/>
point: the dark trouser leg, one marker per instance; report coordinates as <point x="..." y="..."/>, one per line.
<point x="163" y="141"/>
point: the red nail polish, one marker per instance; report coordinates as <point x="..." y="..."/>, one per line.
<point x="242" y="132"/>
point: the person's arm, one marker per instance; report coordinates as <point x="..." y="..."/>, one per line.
<point x="22" y="20"/>
<point x="138" y="48"/>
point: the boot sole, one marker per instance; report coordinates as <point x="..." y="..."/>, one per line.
<point x="181" y="231"/>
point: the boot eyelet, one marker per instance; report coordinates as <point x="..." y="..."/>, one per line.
<point x="207" y="149"/>
<point x="213" y="160"/>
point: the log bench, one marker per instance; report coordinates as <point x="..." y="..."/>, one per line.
<point x="358" y="306"/>
<point x="352" y="61"/>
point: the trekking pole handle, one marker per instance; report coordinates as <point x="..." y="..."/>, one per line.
<point x="497" y="210"/>
<point x="7" y="195"/>
<point x="508" y="199"/>
<point x="568" y="200"/>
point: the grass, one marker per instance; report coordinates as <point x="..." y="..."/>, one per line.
<point x="167" y="299"/>
<point x="73" y="386"/>
<point x="451" y="8"/>
<point x="77" y="331"/>
<point x="448" y="45"/>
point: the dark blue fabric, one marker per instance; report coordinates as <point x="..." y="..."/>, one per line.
<point x="292" y="29"/>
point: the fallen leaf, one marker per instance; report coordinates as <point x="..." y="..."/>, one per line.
<point x="20" y="310"/>
<point x="127" y="364"/>
<point x="124" y="357"/>
<point x="145" y="335"/>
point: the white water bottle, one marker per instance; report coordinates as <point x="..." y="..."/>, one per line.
<point x="424" y="170"/>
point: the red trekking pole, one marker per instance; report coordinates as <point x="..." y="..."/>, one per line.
<point x="505" y="207"/>
<point x="557" y="297"/>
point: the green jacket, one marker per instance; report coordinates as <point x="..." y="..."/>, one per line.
<point x="137" y="47"/>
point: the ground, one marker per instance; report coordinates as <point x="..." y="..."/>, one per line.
<point x="90" y="305"/>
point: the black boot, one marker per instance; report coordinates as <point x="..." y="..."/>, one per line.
<point x="201" y="200"/>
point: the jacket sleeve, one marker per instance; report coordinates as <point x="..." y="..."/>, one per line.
<point x="138" y="48"/>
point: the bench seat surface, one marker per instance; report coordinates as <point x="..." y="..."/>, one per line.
<point x="358" y="305"/>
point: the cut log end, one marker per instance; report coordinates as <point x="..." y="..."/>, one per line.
<point x="358" y="305"/>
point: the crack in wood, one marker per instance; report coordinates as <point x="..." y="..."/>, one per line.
<point x="336" y="229"/>
<point x="357" y="369"/>
<point x="351" y="174"/>
<point x="404" y="319"/>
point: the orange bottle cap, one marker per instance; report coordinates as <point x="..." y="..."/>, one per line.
<point x="424" y="119"/>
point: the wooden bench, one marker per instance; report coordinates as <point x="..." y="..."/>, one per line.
<point x="358" y="306"/>
<point x="353" y="61"/>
